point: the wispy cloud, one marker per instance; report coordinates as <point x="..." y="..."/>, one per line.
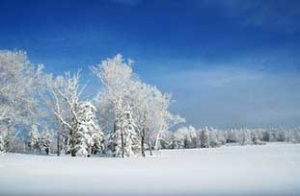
<point x="260" y="12"/>
<point x="233" y="96"/>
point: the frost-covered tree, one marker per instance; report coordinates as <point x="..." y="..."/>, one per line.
<point x="165" y="120"/>
<point x="89" y="137"/>
<point x="246" y="137"/>
<point x="77" y="120"/>
<point x="179" y="138"/>
<point x="66" y="94"/>
<point x="123" y="90"/>
<point x="125" y="141"/>
<point x="185" y="137"/>
<point x="37" y="141"/>
<point x="44" y="141"/>
<point x="19" y="82"/>
<point x="116" y="76"/>
<point x="204" y="138"/>
<point x="150" y="110"/>
<point x="295" y="135"/>
<point x="256" y="137"/>
<point x="33" y="138"/>
<point x="142" y="99"/>
<point x="232" y="136"/>
<point x="213" y="138"/>
<point x="221" y="136"/>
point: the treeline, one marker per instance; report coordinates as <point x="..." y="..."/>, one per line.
<point x="208" y="137"/>
<point x="183" y="138"/>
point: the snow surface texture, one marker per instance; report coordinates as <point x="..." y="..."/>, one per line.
<point x="272" y="169"/>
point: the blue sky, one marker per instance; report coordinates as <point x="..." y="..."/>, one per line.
<point x="227" y="63"/>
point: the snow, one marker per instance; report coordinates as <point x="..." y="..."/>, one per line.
<point x="272" y="169"/>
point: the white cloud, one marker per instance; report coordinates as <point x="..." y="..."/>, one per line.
<point x="259" y="12"/>
<point x="225" y="97"/>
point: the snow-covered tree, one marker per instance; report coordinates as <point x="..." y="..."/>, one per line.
<point x="66" y="94"/>
<point x="165" y="120"/>
<point x="116" y="76"/>
<point x="125" y="142"/>
<point x="221" y="136"/>
<point x="232" y="136"/>
<point x="44" y="141"/>
<point x="246" y="137"/>
<point x="19" y="82"/>
<point x="89" y="136"/>
<point x="179" y="138"/>
<point x="185" y="137"/>
<point x="204" y="138"/>
<point x="213" y="139"/>
<point x="37" y="141"/>
<point x="142" y="100"/>
<point x="295" y="135"/>
<point x="33" y="138"/>
<point x="123" y="90"/>
<point x="150" y="111"/>
<point x="256" y="137"/>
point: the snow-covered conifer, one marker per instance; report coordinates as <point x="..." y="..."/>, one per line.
<point x="88" y="135"/>
<point x="45" y="140"/>
<point x="204" y="138"/>
<point x="221" y="135"/>
<point x="33" y="138"/>
<point x="246" y="137"/>
<point x="295" y="135"/>
<point x="213" y="139"/>
<point x="125" y="142"/>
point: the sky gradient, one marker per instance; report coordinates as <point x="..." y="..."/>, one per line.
<point x="227" y="63"/>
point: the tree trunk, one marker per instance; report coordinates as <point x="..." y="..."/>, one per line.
<point x="73" y="153"/>
<point x="143" y="142"/>
<point x="58" y="142"/>
<point x="157" y="140"/>
<point x="47" y="151"/>
<point x="90" y="149"/>
<point x="8" y="139"/>
<point x="115" y="126"/>
<point x="122" y="144"/>
<point x="73" y="144"/>
<point x="150" y="148"/>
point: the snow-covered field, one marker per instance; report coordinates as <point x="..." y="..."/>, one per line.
<point x="272" y="169"/>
